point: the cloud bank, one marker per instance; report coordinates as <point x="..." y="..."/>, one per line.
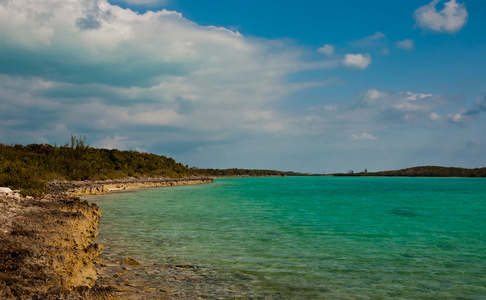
<point x="155" y="70"/>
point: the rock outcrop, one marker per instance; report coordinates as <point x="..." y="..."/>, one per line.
<point x="46" y="249"/>
<point x="80" y="188"/>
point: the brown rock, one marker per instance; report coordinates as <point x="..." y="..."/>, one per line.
<point x="131" y="261"/>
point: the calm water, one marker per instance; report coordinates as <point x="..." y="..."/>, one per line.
<point x="314" y="237"/>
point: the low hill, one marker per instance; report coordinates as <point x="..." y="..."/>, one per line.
<point x="425" y="171"/>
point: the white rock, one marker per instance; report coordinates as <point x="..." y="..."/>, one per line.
<point x="5" y="190"/>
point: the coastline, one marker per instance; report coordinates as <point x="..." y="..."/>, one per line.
<point x="46" y="243"/>
<point x="100" y="187"/>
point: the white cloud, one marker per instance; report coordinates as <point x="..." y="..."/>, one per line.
<point x="356" y="61"/>
<point x="405" y="44"/>
<point x="435" y="116"/>
<point x="117" y="142"/>
<point x="414" y="97"/>
<point x="114" y="61"/>
<point x="457" y="118"/>
<point x="394" y="107"/>
<point x="363" y="136"/>
<point x="374" y="94"/>
<point x="371" y="40"/>
<point x="326" y="49"/>
<point x="147" y="2"/>
<point x="448" y="20"/>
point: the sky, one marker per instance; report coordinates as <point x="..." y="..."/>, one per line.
<point x="307" y="86"/>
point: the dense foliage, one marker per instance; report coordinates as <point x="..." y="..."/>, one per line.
<point x="30" y="167"/>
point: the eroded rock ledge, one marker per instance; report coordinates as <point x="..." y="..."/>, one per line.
<point x="80" y="188"/>
<point x="46" y="250"/>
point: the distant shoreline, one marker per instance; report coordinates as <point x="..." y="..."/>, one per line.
<point x="423" y="171"/>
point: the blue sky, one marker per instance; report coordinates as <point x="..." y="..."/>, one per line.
<point x="309" y="86"/>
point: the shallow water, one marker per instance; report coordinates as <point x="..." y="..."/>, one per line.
<point x="310" y="237"/>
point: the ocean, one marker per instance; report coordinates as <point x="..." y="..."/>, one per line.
<point x="310" y="237"/>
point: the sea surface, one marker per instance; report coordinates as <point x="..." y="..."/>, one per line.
<point x="311" y="237"/>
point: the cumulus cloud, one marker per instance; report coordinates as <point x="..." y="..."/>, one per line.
<point x="405" y="44"/>
<point x="326" y="49"/>
<point x="450" y="19"/>
<point x="374" y="94"/>
<point x="435" y="116"/>
<point x="156" y="79"/>
<point x="356" y="61"/>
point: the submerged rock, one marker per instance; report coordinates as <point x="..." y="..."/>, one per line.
<point x="131" y="261"/>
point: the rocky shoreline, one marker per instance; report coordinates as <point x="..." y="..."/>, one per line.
<point x="81" y="188"/>
<point x="46" y="247"/>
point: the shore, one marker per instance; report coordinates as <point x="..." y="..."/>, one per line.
<point x="81" y="188"/>
<point x="46" y="244"/>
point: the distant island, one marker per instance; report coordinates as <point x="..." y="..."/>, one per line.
<point x="424" y="171"/>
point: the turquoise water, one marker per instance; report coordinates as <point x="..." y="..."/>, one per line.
<point x="314" y="237"/>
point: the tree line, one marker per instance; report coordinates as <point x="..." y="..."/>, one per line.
<point x="29" y="168"/>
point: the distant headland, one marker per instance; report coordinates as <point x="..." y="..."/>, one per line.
<point x="424" y="171"/>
